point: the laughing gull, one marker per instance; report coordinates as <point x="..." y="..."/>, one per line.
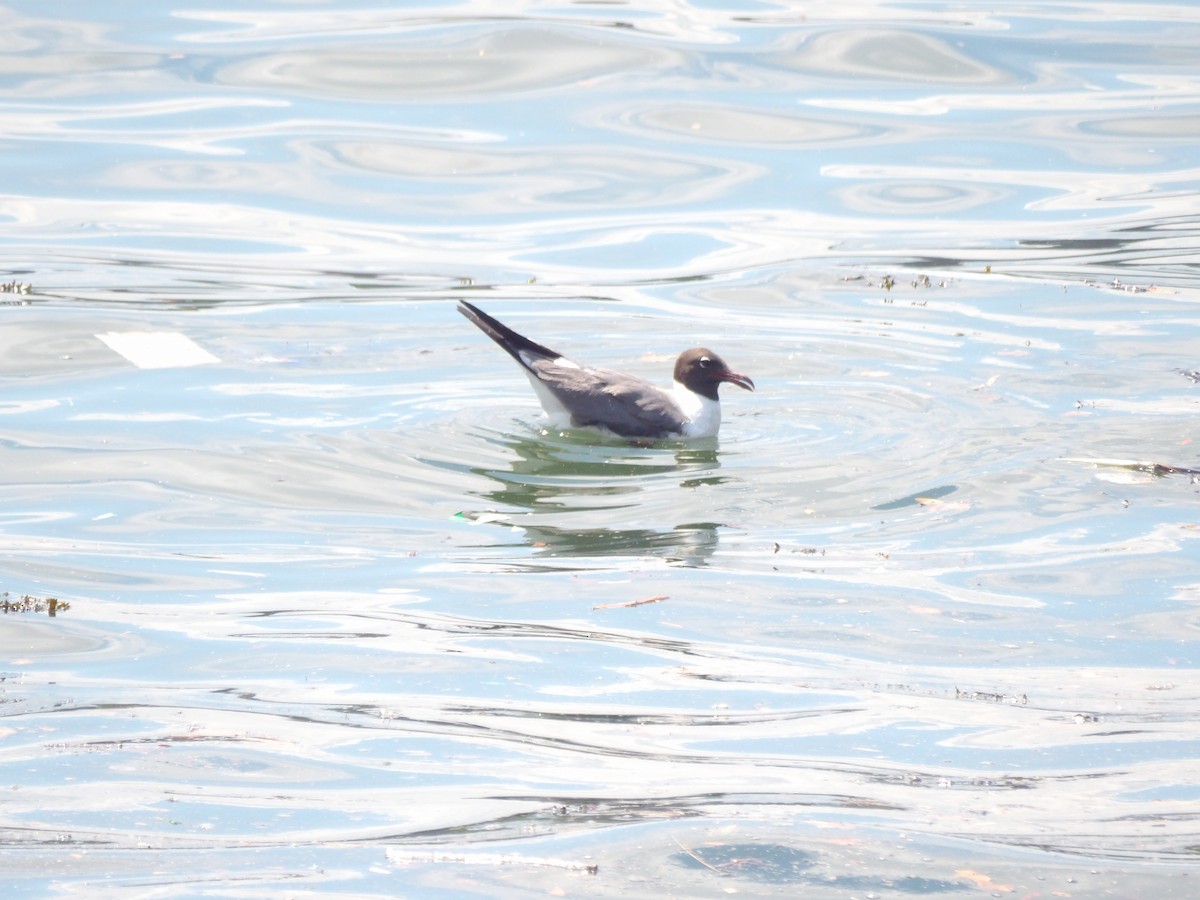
<point x="576" y="396"/>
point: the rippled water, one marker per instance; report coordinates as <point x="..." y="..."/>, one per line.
<point x="336" y="613"/>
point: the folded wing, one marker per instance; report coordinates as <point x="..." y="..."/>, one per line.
<point x="624" y="404"/>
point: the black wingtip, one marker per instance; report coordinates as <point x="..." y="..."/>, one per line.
<point x="493" y="328"/>
<point x="475" y="314"/>
<point x="470" y="310"/>
<point x="510" y="340"/>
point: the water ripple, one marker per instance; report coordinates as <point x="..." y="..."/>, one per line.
<point x="336" y="609"/>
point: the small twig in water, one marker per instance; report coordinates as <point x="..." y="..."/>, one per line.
<point x="1134" y="465"/>
<point x="698" y="859"/>
<point x="402" y="857"/>
<point x="656" y="599"/>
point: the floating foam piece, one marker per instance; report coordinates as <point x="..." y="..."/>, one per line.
<point x="157" y="349"/>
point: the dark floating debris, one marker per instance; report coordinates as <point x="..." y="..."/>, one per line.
<point x="989" y="697"/>
<point x="628" y="603"/>
<point x="887" y="282"/>
<point x="1159" y="470"/>
<point x="27" y="603"/>
<point x="402" y="857"/>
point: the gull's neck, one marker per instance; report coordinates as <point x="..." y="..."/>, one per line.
<point x="702" y="414"/>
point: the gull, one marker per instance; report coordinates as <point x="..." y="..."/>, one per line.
<point x="579" y="396"/>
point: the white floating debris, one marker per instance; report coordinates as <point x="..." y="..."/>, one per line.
<point x="157" y="349"/>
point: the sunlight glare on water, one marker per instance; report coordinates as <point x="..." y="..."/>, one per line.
<point x="303" y="594"/>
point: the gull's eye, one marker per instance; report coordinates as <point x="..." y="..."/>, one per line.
<point x="704" y="362"/>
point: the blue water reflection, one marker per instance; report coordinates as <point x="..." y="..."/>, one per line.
<point x="438" y="119"/>
<point x="341" y="613"/>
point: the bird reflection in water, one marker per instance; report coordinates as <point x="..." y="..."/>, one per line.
<point x="571" y="495"/>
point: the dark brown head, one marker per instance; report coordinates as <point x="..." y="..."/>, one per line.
<point x="701" y="371"/>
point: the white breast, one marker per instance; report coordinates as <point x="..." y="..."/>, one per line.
<point x="703" y="415"/>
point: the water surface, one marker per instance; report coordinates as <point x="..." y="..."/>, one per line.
<point x="342" y="615"/>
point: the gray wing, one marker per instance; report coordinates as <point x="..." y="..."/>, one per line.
<point x="625" y="404"/>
